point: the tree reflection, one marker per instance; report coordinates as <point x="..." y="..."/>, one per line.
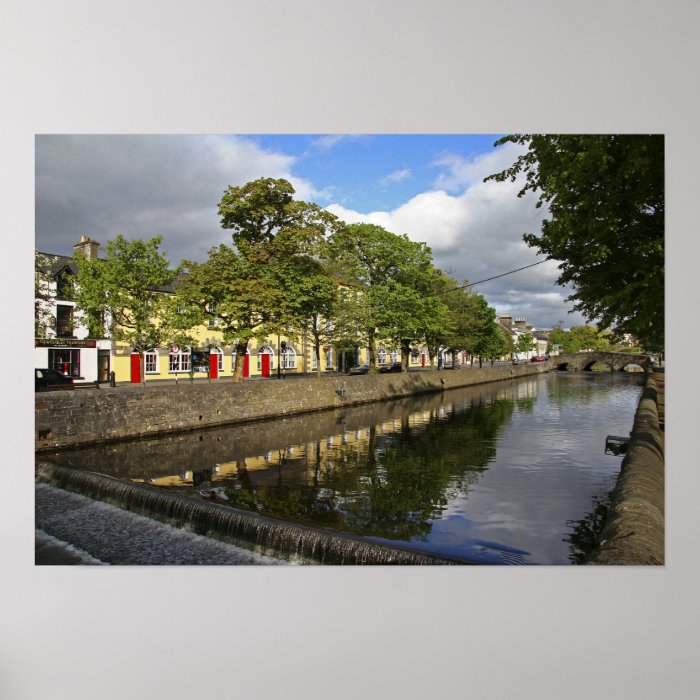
<point x="585" y="533"/>
<point x="385" y="484"/>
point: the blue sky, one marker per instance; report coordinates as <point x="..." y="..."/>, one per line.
<point x="373" y="172"/>
<point x="429" y="187"/>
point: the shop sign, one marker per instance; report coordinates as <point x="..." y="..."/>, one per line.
<point x="64" y="343"/>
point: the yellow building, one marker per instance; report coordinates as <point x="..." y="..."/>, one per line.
<point x="269" y="356"/>
<point x="208" y="358"/>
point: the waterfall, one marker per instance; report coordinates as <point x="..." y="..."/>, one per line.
<point x="298" y="543"/>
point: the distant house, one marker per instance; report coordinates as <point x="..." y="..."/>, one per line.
<point x="515" y="329"/>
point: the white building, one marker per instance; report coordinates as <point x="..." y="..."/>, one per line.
<point x="519" y="328"/>
<point x="65" y="345"/>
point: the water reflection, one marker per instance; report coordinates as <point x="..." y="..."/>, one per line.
<point x="487" y="472"/>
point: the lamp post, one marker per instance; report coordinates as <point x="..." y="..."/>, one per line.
<point x="279" y="355"/>
<point x="283" y="353"/>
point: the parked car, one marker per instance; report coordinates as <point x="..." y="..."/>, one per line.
<point x="538" y="358"/>
<point x="45" y="378"/>
<point x="391" y="368"/>
<point x="359" y="369"/>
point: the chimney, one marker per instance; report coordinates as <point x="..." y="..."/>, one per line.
<point x="87" y="247"/>
<point x="520" y="324"/>
<point x="506" y="321"/>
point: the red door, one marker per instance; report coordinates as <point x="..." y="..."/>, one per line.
<point x="422" y="359"/>
<point x="213" y="366"/>
<point x="246" y="365"/>
<point x="265" y="364"/>
<point x="135" y="368"/>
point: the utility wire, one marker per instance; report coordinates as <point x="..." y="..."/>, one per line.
<point x="488" y="279"/>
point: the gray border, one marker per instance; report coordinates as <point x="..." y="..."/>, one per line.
<point x="149" y="67"/>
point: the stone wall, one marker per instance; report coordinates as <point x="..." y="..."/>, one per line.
<point x="634" y="528"/>
<point x="93" y="416"/>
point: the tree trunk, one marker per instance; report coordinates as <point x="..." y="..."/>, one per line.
<point x="405" y="353"/>
<point x="371" y="346"/>
<point x="237" y="374"/>
<point x="317" y="345"/>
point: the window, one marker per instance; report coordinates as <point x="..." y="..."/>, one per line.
<point x="150" y="361"/>
<point x="64" y="285"/>
<point x="64" y="321"/>
<point x="213" y="321"/>
<point x="314" y="359"/>
<point x="266" y="350"/>
<point x="381" y="356"/>
<point x="329" y="358"/>
<point x="394" y="356"/>
<point x="179" y="360"/>
<point x="289" y="358"/>
<point x="65" y="361"/>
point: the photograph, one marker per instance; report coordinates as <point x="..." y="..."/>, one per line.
<point x="360" y="349"/>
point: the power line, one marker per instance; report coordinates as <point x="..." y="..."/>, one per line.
<point x="488" y="279"/>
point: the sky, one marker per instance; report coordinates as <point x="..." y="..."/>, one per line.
<point x="429" y="187"/>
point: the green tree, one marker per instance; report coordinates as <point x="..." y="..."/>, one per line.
<point x="494" y="344"/>
<point x="480" y="330"/>
<point x="407" y="316"/>
<point x="579" y="338"/>
<point x="238" y="292"/>
<point x="605" y="196"/>
<point x="453" y="331"/>
<point x="274" y="277"/>
<point x="130" y="289"/>
<point x="44" y="320"/>
<point x="395" y="273"/>
<point x="525" y="343"/>
<point x="318" y="297"/>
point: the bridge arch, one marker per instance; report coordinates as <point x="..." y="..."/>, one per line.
<point x="630" y="365"/>
<point x="588" y="367"/>
<point x="584" y="361"/>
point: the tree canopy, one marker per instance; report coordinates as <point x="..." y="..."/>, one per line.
<point x="130" y="289"/>
<point x="605" y="196"/>
<point x="397" y="275"/>
<point x="273" y="277"/>
<point x="579" y="338"/>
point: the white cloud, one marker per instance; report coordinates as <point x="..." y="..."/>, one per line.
<point x="476" y="233"/>
<point x="143" y="186"/>
<point x="396" y="176"/>
<point x="463" y="172"/>
<point x="325" y="143"/>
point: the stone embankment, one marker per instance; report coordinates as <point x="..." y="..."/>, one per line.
<point x="633" y="532"/>
<point x="94" y="416"/>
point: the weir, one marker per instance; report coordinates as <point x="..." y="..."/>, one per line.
<point x="296" y="543"/>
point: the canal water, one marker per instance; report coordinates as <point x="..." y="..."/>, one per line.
<point x="512" y="472"/>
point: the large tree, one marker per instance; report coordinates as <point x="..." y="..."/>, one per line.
<point x="130" y="290"/>
<point x="525" y="343"/>
<point x="234" y="292"/>
<point x="605" y="197"/>
<point x="273" y="277"/>
<point x="395" y="273"/>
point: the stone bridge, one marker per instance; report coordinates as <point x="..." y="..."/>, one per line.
<point x="583" y="361"/>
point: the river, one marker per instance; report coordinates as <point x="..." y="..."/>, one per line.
<point x="512" y="472"/>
